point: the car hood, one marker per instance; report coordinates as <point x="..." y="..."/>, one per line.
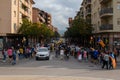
<point x="42" y="52"/>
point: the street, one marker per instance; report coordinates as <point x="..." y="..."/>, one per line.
<point x="56" y="69"/>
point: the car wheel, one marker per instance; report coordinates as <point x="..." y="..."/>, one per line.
<point x="36" y="58"/>
<point x="47" y="58"/>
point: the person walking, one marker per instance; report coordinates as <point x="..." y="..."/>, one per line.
<point x="105" y="60"/>
<point x="14" y="56"/>
<point x="112" y="62"/>
<point x="85" y="55"/>
<point x="62" y="53"/>
<point x="79" y="56"/>
<point x="115" y="54"/>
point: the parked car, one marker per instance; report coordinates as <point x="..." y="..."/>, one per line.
<point x="43" y="53"/>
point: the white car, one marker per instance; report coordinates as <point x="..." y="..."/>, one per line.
<point x="43" y="53"/>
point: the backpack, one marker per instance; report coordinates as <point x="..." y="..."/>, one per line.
<point x="106" y="57"/>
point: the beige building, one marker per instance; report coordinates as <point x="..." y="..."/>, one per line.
<point x="85" y="10"/>
<point x="104" y="15"/>
<point x="106" y="21"/>
<point x="11" y="14"/>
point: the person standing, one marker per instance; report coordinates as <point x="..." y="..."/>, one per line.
<point x="21" y="55"/>
<point x="4" y="53"/>
<point x="9" y="51"/>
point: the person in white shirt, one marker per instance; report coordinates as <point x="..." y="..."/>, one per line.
<point x="61" y="53"/>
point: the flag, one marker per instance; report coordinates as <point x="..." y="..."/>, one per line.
<point x="91" y="40"/>
<point x="101" y="42"/>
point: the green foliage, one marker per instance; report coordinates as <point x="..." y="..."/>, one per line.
<point x="35" y="30"/>
<point x="56" y="34"/>
<point x="79" y="28"/>
<point x="24" y="28"/>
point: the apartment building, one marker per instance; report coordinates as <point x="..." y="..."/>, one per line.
<point x="40" y="16"/>
<point x="85" y="10"/>
<point x="104" y="15"/>
<point x="11" y="14"/>
<point x="106" y="21"/>
<point x="37" y="16"/>
<point x="82" y="12"/>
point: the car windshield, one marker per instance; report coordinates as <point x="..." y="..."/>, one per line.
<point x="42" y="50"/>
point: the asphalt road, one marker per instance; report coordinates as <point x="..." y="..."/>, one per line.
<point x="56" y="69"/>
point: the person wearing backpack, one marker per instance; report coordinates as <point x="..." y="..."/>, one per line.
<point x="106" y="60"/>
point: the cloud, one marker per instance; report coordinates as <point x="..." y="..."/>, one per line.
<point x="60" y="10"/>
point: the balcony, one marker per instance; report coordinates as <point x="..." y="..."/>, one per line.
<point x="88" y="2"/>
<point x="106" y="12"/>
<point x="106" y="27"/>
<point x="104" y="1"/>
<point x="88" y="21"/>
<point x="88" y="12"/>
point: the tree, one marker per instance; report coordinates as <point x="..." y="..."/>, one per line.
<point x="80" y="31"/>
<point x="56" y="34"/>
<point x="24" y="28"/>
<point x="34" y="30"/>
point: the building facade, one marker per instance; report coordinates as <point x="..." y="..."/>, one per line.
<point x="42" y="17"/>
<point x="105" y="19"/>
<point x="85" y="10"/>
<point x="37" y="16"/>
<point x="12" y="13"/>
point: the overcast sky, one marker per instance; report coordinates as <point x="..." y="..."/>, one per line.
<point x="60" y="10"/>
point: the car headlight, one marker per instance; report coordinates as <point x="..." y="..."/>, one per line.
<point x="37" y="54"/>
<point x="47" y="54"/>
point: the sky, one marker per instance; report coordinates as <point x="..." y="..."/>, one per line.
<point x="60" y="10"/>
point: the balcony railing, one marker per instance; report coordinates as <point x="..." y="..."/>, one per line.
<point x="104" y="1"/>
<point x="106" y="12"/>
<point x="88" y="12"/>
<point x="106" y="27"/>
<point x="88" y="2"/>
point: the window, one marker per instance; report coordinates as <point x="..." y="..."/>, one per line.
<point x="15" y="28"/>
<point x="118" y="21"/>
<point x="118" y="6"/>
<point x="14" y="13"/>
<point x="20" y="15"/>
<point x="20" y="3"/>
<point x="14" y="2"/>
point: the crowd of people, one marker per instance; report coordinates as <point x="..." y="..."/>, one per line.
<point x="12" y="54"/>
<point x="106" y="58"/>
